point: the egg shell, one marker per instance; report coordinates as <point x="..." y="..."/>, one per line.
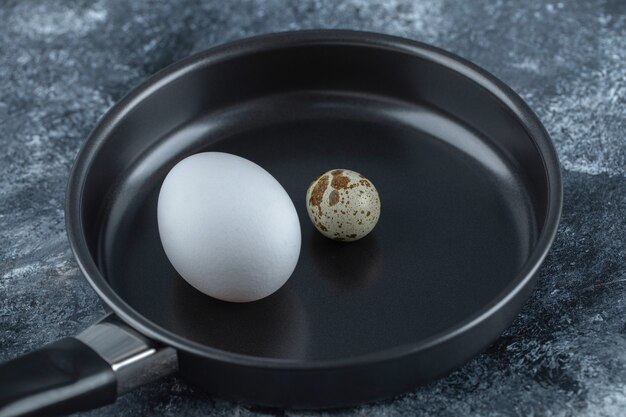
<point x="343" y="205"/>
<point x="228" y="227"/>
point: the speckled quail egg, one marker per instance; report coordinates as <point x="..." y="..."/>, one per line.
<point x="343" y="205"/>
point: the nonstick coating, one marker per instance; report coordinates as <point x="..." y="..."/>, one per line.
<point x="470" y="193"/>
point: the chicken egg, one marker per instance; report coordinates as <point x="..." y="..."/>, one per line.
<point x="228" y="227"/>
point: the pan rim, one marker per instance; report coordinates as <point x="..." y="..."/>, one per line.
<point x="504" y="94"/>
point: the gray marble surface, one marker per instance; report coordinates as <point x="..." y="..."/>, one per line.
<point x="63" y="63"/>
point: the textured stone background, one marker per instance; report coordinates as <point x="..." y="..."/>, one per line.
<point x="63" y="63"/>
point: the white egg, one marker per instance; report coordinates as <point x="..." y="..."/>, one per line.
<point x="228" y="227"/>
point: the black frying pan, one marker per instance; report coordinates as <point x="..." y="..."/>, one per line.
<point x="471" y="198"/>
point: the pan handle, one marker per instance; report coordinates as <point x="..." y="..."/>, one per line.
<point x="83" y="372"/>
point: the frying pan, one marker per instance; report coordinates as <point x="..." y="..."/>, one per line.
<point x="471" y="199"/>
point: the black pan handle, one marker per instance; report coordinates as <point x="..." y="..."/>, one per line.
<point x="82" y="372"/>
<point x="63" y="377"/>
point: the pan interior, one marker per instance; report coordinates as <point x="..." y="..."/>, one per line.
<point x="456" y="227"/>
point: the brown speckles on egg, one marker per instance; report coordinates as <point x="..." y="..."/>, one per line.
<point x="339" y="181"/>
<point x="333" y="198"/>
<point x="343" y="205"/>
<point x="317" y="193"/>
